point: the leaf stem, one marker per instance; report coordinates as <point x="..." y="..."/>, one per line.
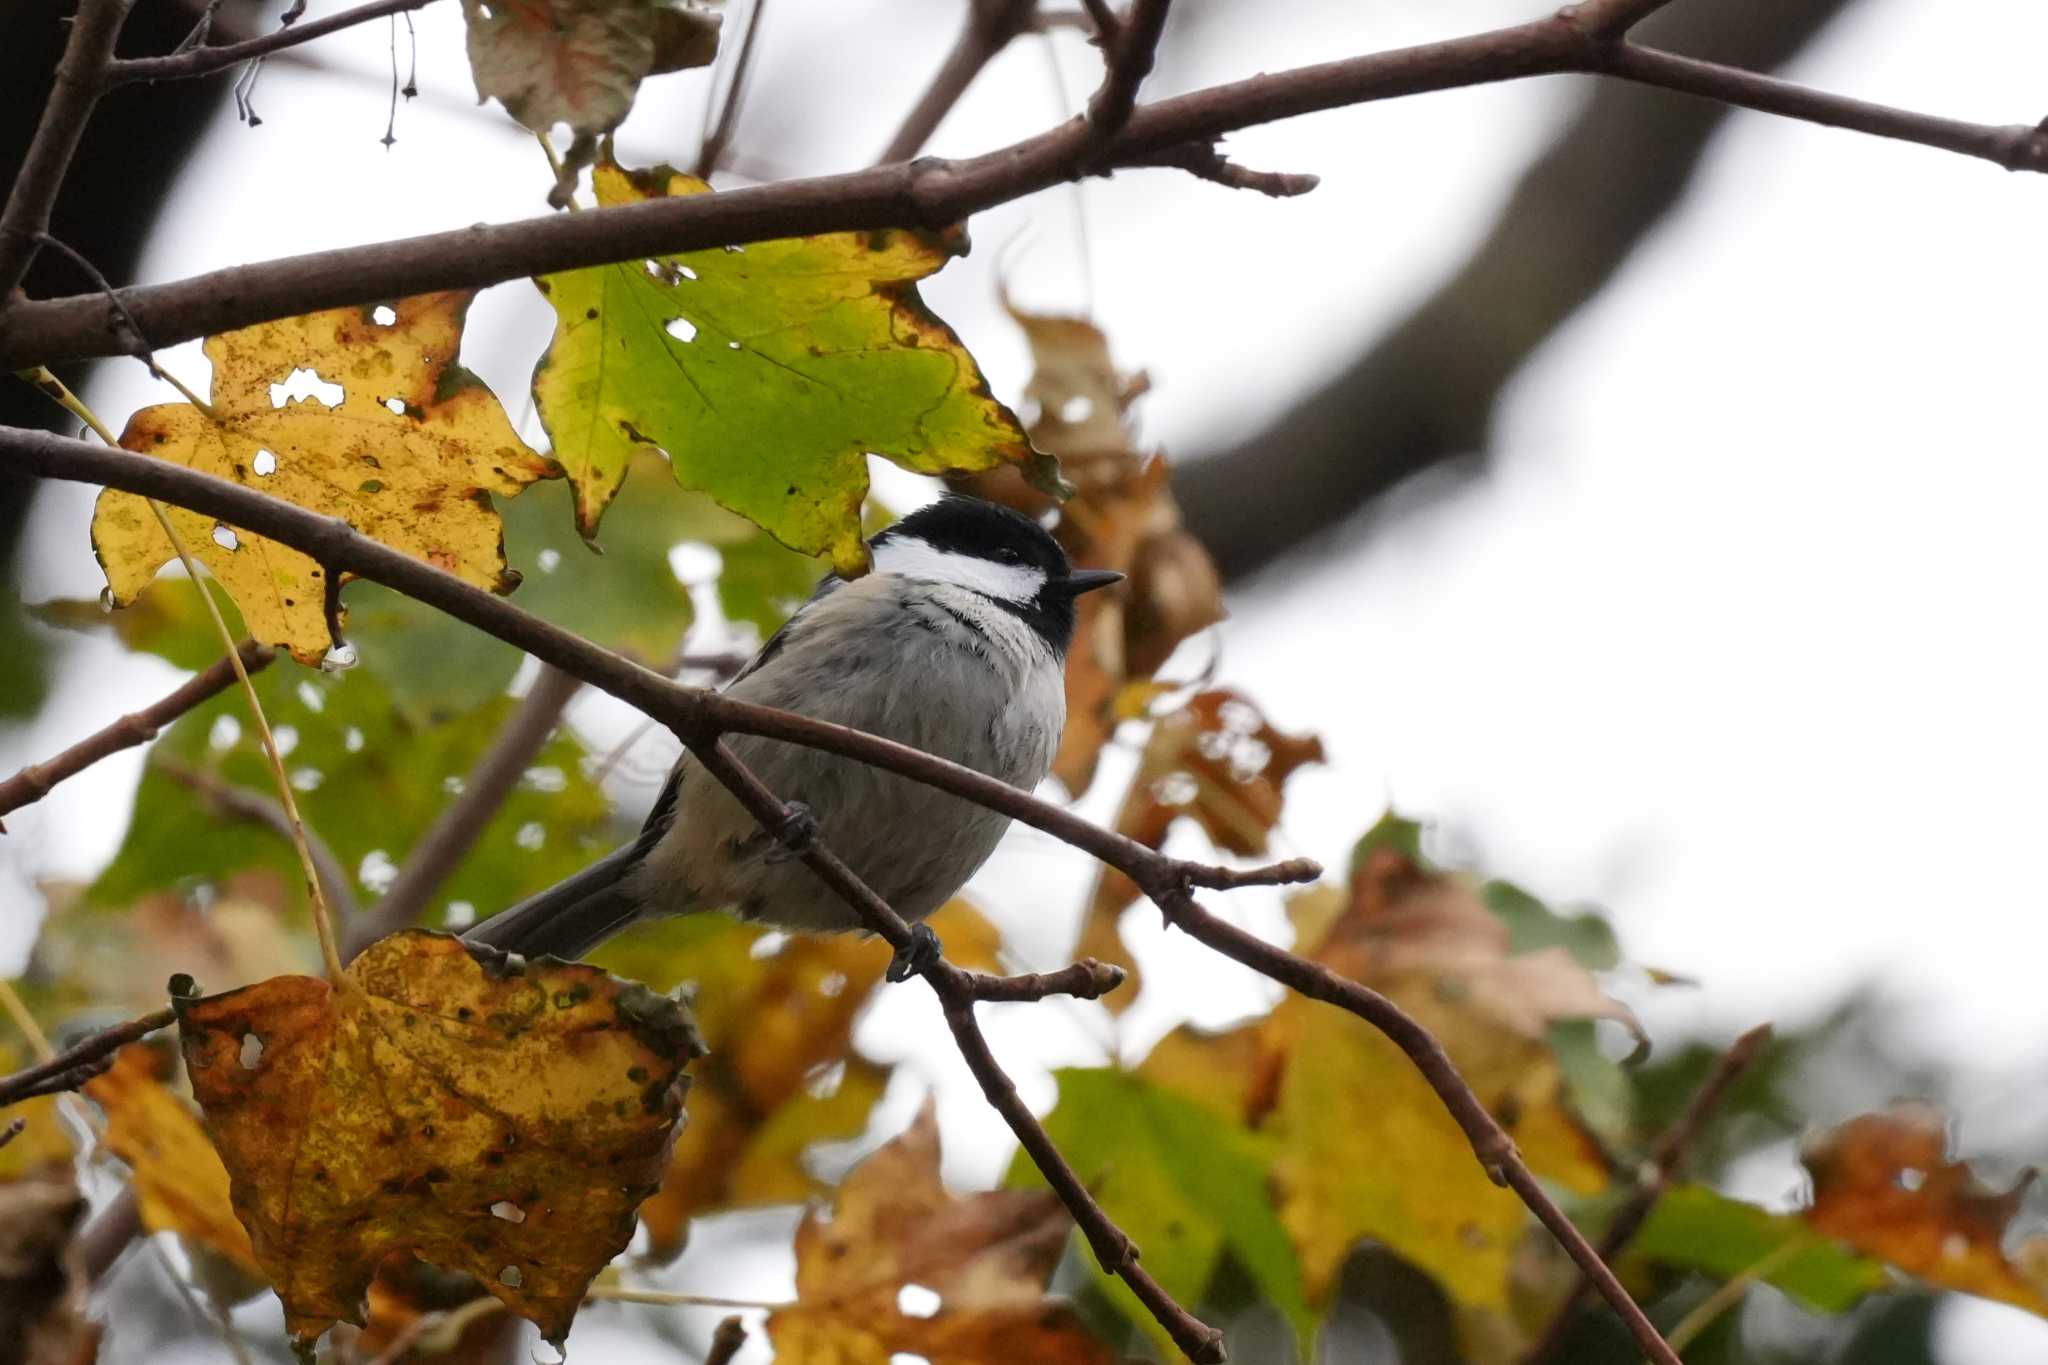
<point x="323" y="918"/>
<point x="1730" y="1294"/>
<point x="19" y="1016"/>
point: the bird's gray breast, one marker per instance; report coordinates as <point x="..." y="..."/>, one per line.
<point x="929" y="665"/>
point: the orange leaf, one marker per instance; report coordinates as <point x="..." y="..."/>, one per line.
<point x="975" y="1267"/>
<point x="493" y="1116"/>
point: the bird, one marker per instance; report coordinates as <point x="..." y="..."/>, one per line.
<point x="955" y="643"/>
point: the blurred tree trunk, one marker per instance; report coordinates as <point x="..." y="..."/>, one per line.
<point x="1423" y="393"/>
<point x="133" y="150"/>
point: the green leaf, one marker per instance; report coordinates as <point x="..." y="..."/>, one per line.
<point x="768" y="373"/>
<point x="1532" y="926"/>
<point x="1697" y="1228"/>
<point x="368" y="779"/>
<point x="1187" y="1185"/>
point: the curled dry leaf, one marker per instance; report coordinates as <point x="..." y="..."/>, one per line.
<point x="1122" y="516"/>
<point x="1216" y="761"/>
<point x="580" y="62"/>
<point x="409" y="455"/>
<point x="767" y="373"/>
<point x="1885" y="1184"/>
<point x="179" y="1181"/>
<point x="485" y="1114"/>
<point x="904" y="1266"/>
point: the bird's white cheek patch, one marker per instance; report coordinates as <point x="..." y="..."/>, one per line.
<point x="913" y="558"/>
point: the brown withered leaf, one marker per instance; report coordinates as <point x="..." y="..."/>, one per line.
<point x="179" y="1181"/>
<point x="1122" y="516"/>
<point x="984" y="1258"/>
<point x="1885" y="1184"/>
<point x="409" y="456"/>
<point x="781" y="1074"/>
<point x="42" y="1286"/>
<point x="1216" y="761"/>
<point x="485" y="1114"/>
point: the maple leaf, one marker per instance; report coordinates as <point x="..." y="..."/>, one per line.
<point x="767" y="373"/>
<point x="180" y="1184"/>
<point x="1215" y="761"/>
<point x="504" y="1120"/>
<point x="781" y="1074"/>
<point x="1122" y="516"/>
<point x="984" y="1258"/>
<point x="1885" y="1184"/>
<point x="409" y="456"/>
<point x="579" y="62"/>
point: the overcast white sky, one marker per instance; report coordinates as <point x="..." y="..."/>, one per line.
<point x="1743" y="639"/>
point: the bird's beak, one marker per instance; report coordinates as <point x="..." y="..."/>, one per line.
<point x="1088" y="580"/>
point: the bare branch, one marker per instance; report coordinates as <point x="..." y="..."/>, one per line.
<point x="1611" y="18"/>
<point x="34" y="782"/>
<point x="80" y="1062"/>
<point x="112" y="1231"/>
<point x="27" y="215"/>
<point x="1128" y="60"/>
<point x="1084" y="980"/>
<point x="956" y="991"/>
<point x="258" y="809"/>
<point x="442" y="848"/>
<point x="991" y="24"/>
<point x="204" y="61"/>
<point x="1665" y="1159"/>
<point x="718" y="138"/>
<point x="700" y="717"/>
<point x="1205" y="162"/>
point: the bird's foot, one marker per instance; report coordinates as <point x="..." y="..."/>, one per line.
<point x="915" y="956"/>
<point x="793" y="840"/>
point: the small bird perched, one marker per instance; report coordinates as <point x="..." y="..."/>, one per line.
<point x="955" y="644"/>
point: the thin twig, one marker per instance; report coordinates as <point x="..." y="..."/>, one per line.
<point x="1205" y="162"/>
<point x="991" y="24"/>
<point x="711" y="152"/>
<point x="234" y="800"/>
<point x="12" y="1131"/>
<point x="35" y="781"/>
<point x="27" y="215"/>
<point x="1666" y="1156"/>
<point x="1112" y="1246"/>
<point x="112" y="1231"/>
<point x="663" y="1298"/>
<point x="88" y="1055"/>
<point x="204" y="61"/>
<point x="1127" y="62"/>
<point x="138" y="343"/>
<point x="927" y="192"/>
<point x="726" y="1342"/>
<point x="455" y="832"/>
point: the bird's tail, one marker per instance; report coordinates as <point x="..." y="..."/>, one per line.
<point x="571" y="917"/>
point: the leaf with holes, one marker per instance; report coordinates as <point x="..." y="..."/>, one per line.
<point x="409" y="454"/>
<point x="767" y="373"/>
<point x="580" y="62"/>
<point x="777" y="1013"/>
<point x="1216" y="761"/>
<point x="903" y="1266"/>
<point x="179" y="1181"/>
<point x="487" y="1115"/>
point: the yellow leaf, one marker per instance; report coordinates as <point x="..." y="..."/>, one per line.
<point x="781" y="1074"/>
<point x="409" y="456"/>
<point x="43" y="1142"/>
<point x="503" y="1119"/>
<point x="979" y="1263"/>
<point x="178" y="1177"/>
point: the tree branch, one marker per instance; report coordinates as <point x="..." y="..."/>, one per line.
<point x="34" y="782"/>
<point x="1665" y="1159"/>
<point x="700" y="718"/>
<point x="256" y="808"/>
<point x="442" y="848"/>
<point x="79" y="1063"/>
<point x="928" y="192"/>
<point x="27" y="215"/>
<point x="991" y="24"/>
<point x="1127" y="61"/>
<point x="204" y="61"/>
